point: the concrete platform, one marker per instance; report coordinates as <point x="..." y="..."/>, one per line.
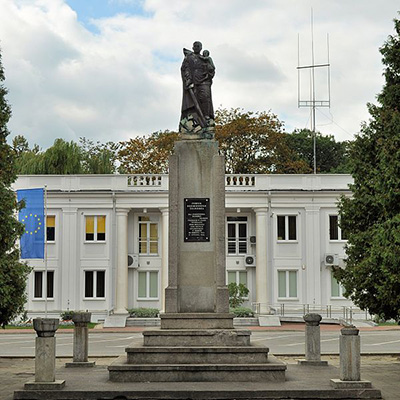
<point x="302" y="382"/>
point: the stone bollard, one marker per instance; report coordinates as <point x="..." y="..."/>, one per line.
<point x="81" y="340"/>
<point x="350" y="361"/>
<point x="313" y="341"/>
<point x="45" y="356"/>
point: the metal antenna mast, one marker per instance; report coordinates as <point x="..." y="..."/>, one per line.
<point x="312" y="103"/>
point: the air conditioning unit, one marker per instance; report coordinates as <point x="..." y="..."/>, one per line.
<point x="253" y="239"/>
<point x="249" y="260"/>
<point x="331" y="260"/>
<point x="133" y="260"/>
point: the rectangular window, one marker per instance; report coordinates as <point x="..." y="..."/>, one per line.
<point x="95" y="228"/>
<point x="148" y="236"/>
<point x="287" y="227"/>
<point x="51" y="228"/>
<point x="39" y="284"/>
<point x="287" y="284"/>
<point x="335" y="233"/>
<point x="95" y="284"/>
<point x="148" y="285"/>
<point x="237" y="235"/>
<point x="336" y="287"/>
<point x="237" y="277"/>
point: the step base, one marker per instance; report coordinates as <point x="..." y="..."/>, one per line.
<point x="271" y="371"/>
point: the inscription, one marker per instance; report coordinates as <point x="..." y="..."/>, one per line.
<point x="197" y="220"/>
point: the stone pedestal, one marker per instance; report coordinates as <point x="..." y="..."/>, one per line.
<point x="45" y="355"/>
<point x="81" y="340"/>
<point x="197" y="341"/>
<point x="196" y="267"/>
<point x="312" y="341"/>
<point x="350" y="361"/>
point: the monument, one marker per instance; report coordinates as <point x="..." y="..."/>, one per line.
<point x="197" y="341"/>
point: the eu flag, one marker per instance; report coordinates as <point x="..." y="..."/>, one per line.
<point x="32" y="216"/>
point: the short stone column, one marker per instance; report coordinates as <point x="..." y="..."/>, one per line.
<point x="313" y="341"/>
<point x="81" y="340"/>
<point x="45" y="356"/>
<point x="350" y="361"/>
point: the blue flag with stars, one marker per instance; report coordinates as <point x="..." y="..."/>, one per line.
<point x="32" y="216"/>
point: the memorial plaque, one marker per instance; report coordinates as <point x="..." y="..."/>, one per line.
<point x="197" y="220"/>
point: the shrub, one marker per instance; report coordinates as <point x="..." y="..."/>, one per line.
<point x="66" y="315"/>
<point x="242" y="312"/>
<point x="237" y="294"/>
<point x="143" y="312"/>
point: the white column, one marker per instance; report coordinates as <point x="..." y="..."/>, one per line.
<point x="312" y="293"/>
<point x="164" y="254"/>
<point x="121" y="291"/>
<point x="70" y="247"/>
<point x="261" y="258"/>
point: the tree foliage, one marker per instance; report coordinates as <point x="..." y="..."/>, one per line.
<point x="65" y="158"/>
<point x="255" y="143"/>
<point x="13" y="273"/>
<point x="371" y="218"/>
<point x="237" y="294"/>
<point x="332" y="156"/>
<point x="147" y="155"/>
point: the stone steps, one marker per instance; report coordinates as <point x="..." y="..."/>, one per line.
<point x="270" y="371"/>
<point x="191" y="337"/>
<point x="197" y="355"/>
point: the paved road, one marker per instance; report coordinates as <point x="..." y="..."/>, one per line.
<point x="283" y="342"/>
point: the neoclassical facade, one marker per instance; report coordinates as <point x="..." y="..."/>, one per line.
<point x="107" y="241"/>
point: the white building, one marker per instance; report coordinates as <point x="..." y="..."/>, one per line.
<point x="282" y="239"/>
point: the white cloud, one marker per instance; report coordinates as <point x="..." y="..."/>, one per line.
<point x="124" y="80"/>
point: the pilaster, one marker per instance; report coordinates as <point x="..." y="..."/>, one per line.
<point x="262" y="258"/>
<point x="121" y="297"/>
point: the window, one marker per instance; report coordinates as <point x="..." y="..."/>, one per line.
<point x="335" y="233"/>
<point x="237" y="235"/>
<point x="336" y="287"/>
<point x="287" y="284"/>
<point x="95" y="228"/>
<point x="237" y="277"/>
<point x="148" y="236"/>
<point x="287" y="229"/>
<point x="38" y="284"/>
<point x="95" y="284"/>
<point x="148" y="285"/>
<point x="51" y="228"/>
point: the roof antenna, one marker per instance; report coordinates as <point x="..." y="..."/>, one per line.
<point x="313" y="103"/>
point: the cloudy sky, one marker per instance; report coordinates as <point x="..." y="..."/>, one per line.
<point x="110" y="69"/>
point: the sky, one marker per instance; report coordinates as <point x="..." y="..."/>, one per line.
<point x="109" y="70"/>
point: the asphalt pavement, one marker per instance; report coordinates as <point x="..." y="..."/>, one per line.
<point x="284" y="341"/>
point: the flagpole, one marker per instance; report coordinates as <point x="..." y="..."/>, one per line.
<point x="45" y="251"/>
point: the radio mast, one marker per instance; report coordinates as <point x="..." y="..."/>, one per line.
<point x="312" y="102"/>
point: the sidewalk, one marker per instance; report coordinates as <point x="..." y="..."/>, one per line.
<point x="383" y="372"/>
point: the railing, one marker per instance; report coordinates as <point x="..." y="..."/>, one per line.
<point x="240" y="180"/>
<point x="346" y="313"/>
<point x="144" y="180"/>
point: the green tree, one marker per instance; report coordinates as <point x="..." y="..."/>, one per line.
<point x="98" y="158"/>
<point x="13" y="273"/>
<point x="65" y="158"/>
<point x="371" y="217"/>
<point x="332" y="156"/>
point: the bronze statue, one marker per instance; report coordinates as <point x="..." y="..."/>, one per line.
<point x="197" y="71"/>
